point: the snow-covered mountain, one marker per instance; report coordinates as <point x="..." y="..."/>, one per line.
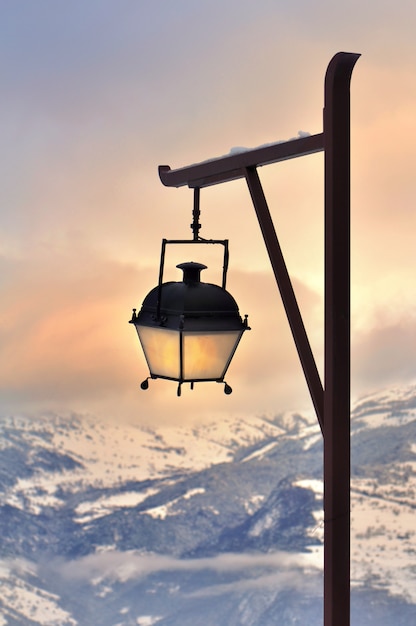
<point x="215" y="525"/>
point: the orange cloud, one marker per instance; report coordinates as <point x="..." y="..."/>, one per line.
<point x="66" y="343"/>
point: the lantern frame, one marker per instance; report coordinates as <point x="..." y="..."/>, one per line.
<point x="190" y="330"/>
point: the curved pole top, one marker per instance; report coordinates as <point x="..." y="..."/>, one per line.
<point x="339" y="70"/>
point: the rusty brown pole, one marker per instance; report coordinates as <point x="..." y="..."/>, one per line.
<point x="337" y="341"/>
<point x="332" y="400"/>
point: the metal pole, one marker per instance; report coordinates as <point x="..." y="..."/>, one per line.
<point x="337" y="341"/>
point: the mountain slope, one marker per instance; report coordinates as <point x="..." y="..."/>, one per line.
<point x="214" y="525"/>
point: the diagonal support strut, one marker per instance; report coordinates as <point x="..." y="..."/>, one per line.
<point x="287" y="294"/>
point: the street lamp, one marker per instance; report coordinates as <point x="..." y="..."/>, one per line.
<point x="331" y="400"/>
<point x="189" y="330"/>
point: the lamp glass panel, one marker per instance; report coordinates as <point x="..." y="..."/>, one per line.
<point x="161" y="349"/>
<point x="206" y="355"/>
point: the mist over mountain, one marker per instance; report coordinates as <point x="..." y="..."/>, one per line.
<point x="213" y="525"/>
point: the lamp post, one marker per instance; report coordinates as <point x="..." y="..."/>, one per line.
<point x="332" y="399"/>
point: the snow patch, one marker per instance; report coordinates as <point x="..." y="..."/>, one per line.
<point x="261" y="452"/>
<point x="30" y="602"/>
<point x="317" y="486"/>
<point x="148" y="620"/>
<point x="161" y="512"/>
<point x="253" y="504"/>
<point x="89" y="511"/>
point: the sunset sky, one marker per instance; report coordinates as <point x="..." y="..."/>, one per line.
<point x="97" y="94"/>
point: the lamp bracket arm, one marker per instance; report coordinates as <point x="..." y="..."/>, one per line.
<point x="232" y="166"/>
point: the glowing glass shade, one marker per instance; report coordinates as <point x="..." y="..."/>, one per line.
<point x="162" y="351"/>
<point x="206" y="356"/>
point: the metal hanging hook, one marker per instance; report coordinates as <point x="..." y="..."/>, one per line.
<point x="196" y="226"/>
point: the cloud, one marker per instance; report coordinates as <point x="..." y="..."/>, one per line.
<point x="385" y="354"/>
<point x="17" y="566"/>
<point x="129" y="565"/>
<point x="292" y="578"/>
<point x="67" y="345"/>
<point x="274" y="571"/>
<point x="64" y="326"/>
<point x="95" y="98"/>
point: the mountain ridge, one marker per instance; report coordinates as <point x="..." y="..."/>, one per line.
<point x="156" y="523"/>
